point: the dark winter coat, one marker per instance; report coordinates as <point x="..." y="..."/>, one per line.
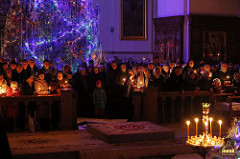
<point x="174" y="83"/>
<point x="99" y="98"/>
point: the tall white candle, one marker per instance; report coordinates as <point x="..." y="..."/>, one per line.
<point x="210" y="120"/>
<point x="220" y="127"/>
<point x="188" y="123"/>
<point x="196" y="120"/>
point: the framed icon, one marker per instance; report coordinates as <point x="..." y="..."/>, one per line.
<point x="133" y="20"/>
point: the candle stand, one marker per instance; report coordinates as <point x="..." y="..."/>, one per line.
<point x="205" y="140"/>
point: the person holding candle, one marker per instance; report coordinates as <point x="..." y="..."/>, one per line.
<point x="129" y="87"/>
<point x="189" y="68"/>
<point x="40" y="84"/>
<point x="41" y="88"/>
<point x="70" y="79"/>
<point x="62" y="82"/>
<point x="166" y="70"/>
<point x="3" y="86"/>
<point x="225" y="76"/>
<point x="140" y="77"/>
<point x="47" y="70"/>
<point x="123" y="75"/>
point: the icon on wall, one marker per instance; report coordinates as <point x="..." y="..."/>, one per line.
<point x="214" y="45"/>
<point x="133" y="20"/>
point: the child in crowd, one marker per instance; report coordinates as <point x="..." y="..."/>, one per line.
<point x="99" y="99"/>
<point x="217" y="85"/>
<point x="13" y="90"/>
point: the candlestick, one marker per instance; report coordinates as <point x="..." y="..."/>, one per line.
<point x="188" y="123"/>
<point x="210" y="120"/>
<point x="196" y="120"/>
<point x="206" y="124"/>
<point x="220" y="125"/>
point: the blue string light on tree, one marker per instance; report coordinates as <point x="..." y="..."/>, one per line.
<point x="65" y="31"/>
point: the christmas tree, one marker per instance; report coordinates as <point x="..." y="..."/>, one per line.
<point x="65" y="31"/>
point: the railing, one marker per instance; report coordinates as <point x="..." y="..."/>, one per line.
<point x="68" y="109"/>
<point x="147" y="102"/>
<point x="232" y="112"/>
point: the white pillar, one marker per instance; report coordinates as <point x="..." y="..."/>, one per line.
<point x="186" y="36"/>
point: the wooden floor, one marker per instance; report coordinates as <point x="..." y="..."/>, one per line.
<point x="78" y="144"/>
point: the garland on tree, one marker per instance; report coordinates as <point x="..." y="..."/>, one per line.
<point x="65" y="31"/>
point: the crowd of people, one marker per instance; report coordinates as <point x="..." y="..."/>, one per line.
<point x="106" y="90"/>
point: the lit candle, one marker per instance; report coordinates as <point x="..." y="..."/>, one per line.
<point x="124" y="80"/>
<point x="210" y="120"/>
<point x="66" y="81"/>
<point x="220" y="127"/>
<point x="196" y="120"/>
<point x="188" y="123"/>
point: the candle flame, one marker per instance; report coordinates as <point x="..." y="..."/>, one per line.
<point x="220" y="122"/>
<point x="196" y="120"/>
<point x="210" y="119"/>
<point x="188" y="122"/>
<point x="206" y="123"/>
